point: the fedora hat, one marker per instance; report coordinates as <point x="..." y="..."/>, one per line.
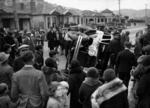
<point x="3" y="57"/>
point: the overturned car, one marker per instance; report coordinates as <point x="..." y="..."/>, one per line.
<point x="90" y="47"/>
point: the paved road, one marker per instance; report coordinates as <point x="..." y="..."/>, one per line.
<point x="133" y="31"/>
<point x="62" y="58"/>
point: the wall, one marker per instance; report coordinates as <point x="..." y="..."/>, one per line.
<point x="38" y="21"/>
<point x="26" y="24"/>
<point x="12" y="24"/>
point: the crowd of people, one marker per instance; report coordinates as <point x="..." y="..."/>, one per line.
<point x="29" y="81"/>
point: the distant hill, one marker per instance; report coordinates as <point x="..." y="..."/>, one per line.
<point x="139" y="14"/>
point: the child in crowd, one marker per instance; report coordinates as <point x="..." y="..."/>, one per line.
<point x="39" y="59"/>
<point x="5" y="101"/>
<point x="55" y="95"/>
<point x="65" y="98"/>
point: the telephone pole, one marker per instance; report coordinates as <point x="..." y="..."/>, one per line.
<point x="119" y="13"/>
<point x="15" y="15"/>
<point x="145" y="13"/>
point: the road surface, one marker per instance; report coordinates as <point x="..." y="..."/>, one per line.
<point x="62" y="58"/>
<point x="133" y="31"/>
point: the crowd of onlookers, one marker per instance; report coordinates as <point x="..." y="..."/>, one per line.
<point x="29" y="81"/>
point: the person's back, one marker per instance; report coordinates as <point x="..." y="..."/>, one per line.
<point x="29" y="85"/>
<point x="118" y="101"/>
<point x="89" y="85"/>
<point x="28" y="80"/>
<point x="112" y="94"/>
<point x="125" y="60"/>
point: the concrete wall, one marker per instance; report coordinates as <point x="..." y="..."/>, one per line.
<point x="38" y="21"/>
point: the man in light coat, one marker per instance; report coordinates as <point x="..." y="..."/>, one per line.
<point x="29" y="87"/>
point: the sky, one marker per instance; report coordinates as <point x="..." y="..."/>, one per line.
<point x="100" y="5"/>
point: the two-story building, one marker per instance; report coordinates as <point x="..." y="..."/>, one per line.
<point x="7" y="16"/>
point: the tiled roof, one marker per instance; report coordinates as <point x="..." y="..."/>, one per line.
<point x="106" y="11"/>
<point x="6" y="9"/>
<point x="75" y="12"/>
<point x="91" y="13"/>
<point x="9" y="9"/>
<point x="48" y="8"/>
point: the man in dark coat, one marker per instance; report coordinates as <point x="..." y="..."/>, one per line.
<point x="89" y="85"/>
<point x="143" y="91"/>
<point x="51" y="37"/>
<point x="114" y="47"/>
<point x="2" y="39"/>
<point x="75" y="80"/>
<point x="124" y="62"/>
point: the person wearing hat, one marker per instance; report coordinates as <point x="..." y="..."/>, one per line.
<point x="112" y="94"/>
<point x="6" y="71"/>
<point x="18" y="62"/>
<point x="89" y="85"/>
<point x="124" y="62"/>
<point x="114" y="47"/>
<point x="28" y="40"/>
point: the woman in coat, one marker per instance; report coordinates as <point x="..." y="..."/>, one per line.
<point x="75" y="80"/>
<point x="113" y="94"/>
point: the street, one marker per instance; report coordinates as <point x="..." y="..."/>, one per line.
<point x="62" y="58"/>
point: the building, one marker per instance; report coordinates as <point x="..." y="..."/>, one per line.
<point x="38" y="14"/>
<point x="109" y="15"/>
<point x="94" y="17"/>
<point x="49" y="15"/>
<point x="7" y="15"/>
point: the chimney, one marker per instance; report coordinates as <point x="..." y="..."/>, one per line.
<point x="2" y="2"/>
<point x="32" y="4"/>
<point x="22" y="6"/>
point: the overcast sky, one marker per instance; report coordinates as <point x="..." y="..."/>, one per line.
<point x="102" y="4"/>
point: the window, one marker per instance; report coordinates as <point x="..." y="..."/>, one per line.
<point x="98" y="20"/>
<point x="48" y="22"/>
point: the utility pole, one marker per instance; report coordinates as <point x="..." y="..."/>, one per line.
<point x="15" y="15"/>
<point x="119" y="13"/>
<point x="145" y="13"/>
